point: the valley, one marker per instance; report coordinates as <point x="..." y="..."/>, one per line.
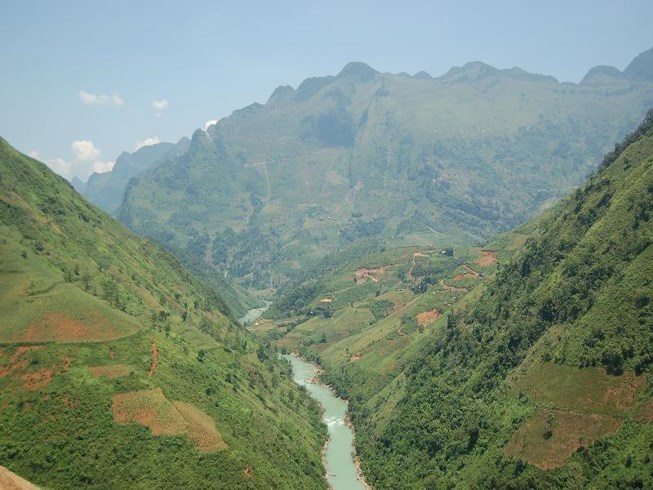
<point x="455" y="269"/>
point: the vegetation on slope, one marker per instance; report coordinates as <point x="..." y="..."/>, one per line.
<point x="549" y="366"/>
<point x="448" y="161"/>
<point x="118" y="369"/>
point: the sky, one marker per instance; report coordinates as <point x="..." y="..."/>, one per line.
<point x="81" y="81"/>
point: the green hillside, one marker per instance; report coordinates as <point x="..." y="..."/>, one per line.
<point x="410" y="160"/>
<point x="119" y="370"/>
<point x="533" y="372"/>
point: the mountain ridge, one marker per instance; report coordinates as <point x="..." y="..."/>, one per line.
<point x="367" y="154"/>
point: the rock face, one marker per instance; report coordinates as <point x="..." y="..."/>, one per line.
<point x="369" y="155"/>
<point x="106" y="189"/>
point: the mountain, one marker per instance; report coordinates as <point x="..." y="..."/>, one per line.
<point x="641" y="68"/>
<point x="106" y="190"/>
<point x="118" y="369"/>
<point x="409" y="160"/>
<point x="531" y="373"/>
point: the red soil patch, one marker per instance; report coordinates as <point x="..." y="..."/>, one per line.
<point x="355" y="357"/>
<point x="152" y="409"/>
<point x="201" y="428"/>
<point x="58" y="327"/>
<point x="468" y="274"/>
<point x="110" y="371"/>
<point x="427" y="317"/>
<point x="247" y="471"/>
<point x="487" y="258"/>
<point x="18" y="364"/>
<point x="11" y="481"/>
<point x="549" y="437"/>
<point x="419" y="254"/>
<point x="112" y="354"/>
<point x="149" y="408"/>
<point x="155" y="359"/>
<point x="36" y="379"/>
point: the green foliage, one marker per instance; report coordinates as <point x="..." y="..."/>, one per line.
<point x="84" y="292"/>
<point x="587" y="274"/>
<point x="275" y="188"/>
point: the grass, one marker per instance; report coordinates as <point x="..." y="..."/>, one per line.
<point x="550" y="437"/>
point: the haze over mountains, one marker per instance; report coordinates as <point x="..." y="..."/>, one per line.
<point x="469" y="270"/>
<point x="405" y="159"/>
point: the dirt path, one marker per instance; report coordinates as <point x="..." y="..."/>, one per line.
<point x="155" y="359"/>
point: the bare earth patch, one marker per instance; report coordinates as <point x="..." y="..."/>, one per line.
<point x="487" y="258"/>
<point x="149" y="408"/>
<point x="355" y="357"/>
<point x="201" y="428"/>
<point x="11" y="481"/>
<point x="362" y="275"/>
<point x="18" y="365"/>
<point x="155" y="359"/>
<point x="110" y="371"/>
<point x="585" y="389"/>
<point x="550" y="437"/>
<point x="152" y="409"/>
<point x="58" y="327"/>
<point x="36" y="379"/>
<point x="427" y="317"/>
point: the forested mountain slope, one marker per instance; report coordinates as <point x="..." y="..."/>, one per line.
<point x="119" y="370"/>
<point x="543" y="377"/>
<point x="410" y="160"/>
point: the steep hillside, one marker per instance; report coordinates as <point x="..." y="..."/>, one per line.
<point x="541" y="377"/>
<point x="409" y="160"/>
<point x="106" y="190"/>
<point x="119" y="370"/>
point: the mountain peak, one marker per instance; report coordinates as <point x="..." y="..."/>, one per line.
<point x="359" y="70"/>
<point x="601" y="72"/>
<point x="471" y="70"/>
<point x="641" y="68"/>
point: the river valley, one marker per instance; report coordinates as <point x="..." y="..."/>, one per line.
<point x="342" y="472"/>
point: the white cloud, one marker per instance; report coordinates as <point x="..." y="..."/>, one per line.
<point x="34" y="154"/>
<point x="61" y="167"/>
<point x="147" y="142"/>
<point x="209" y="123"/>
<point x="87" y="98"/>
<point x="86" y="161"/>
<point x="85" y="151"/>
<point x="160" y="104"/>
<point x="101" y="167"/>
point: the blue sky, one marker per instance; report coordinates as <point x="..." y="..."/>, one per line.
<point x="83" y="81"/>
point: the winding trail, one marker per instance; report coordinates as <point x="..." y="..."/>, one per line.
<point x="155" y="359"/>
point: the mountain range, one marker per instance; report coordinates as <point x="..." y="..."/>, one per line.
<point x="270" y="190"/>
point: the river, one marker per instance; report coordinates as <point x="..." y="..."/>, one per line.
<point x="342" y="473"/>
<point x="252" y="315"/>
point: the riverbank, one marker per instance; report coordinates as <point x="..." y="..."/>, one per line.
<point x="341" y="463"/>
